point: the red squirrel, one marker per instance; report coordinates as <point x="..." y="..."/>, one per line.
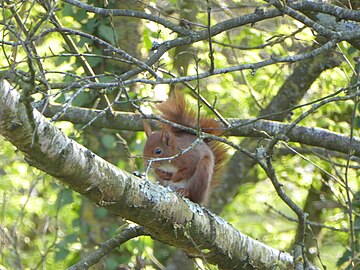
<point x="192" y="173"/>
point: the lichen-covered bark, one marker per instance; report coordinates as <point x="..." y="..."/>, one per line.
<point x="166" y="216"/>
<point x="311" y="136"/>
<point x="247" y="128"/>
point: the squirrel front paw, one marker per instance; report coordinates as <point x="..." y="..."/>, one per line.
<point x="183" y="192"/>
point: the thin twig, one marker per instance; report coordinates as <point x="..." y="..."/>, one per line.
<point x="211" y="52"/>
<point x="311" y="223"/>
<point x="106" y="247"/>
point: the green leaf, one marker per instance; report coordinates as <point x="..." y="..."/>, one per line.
<point x="357" y="122"/>
<point x="107" y="33"/>
<point x="60" y="99"/>
<point x="68" y="10"/>
<point x="81" y="14"/>
<point x="108" y="141"/>
<point x="65" y="197"/>
<point x="81" y="99"/>
<point x="90" y="26"/>
<point x="61" y="254"/>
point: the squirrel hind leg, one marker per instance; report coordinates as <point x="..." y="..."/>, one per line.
<point x="199" y="187"/>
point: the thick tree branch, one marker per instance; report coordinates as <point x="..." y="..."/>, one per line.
<point x="314" y="6"/>
<point x="167" y="217"/>
<point x="311" y="136"/>
<point x="248" y="128"/>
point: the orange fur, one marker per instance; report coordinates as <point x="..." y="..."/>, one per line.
<point x="194" y="172"/>
<point x="176" y="110"/>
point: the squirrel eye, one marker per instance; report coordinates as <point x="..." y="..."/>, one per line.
<point x="157" y="151"/>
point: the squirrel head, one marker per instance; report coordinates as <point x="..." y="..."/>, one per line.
<point x="159" y="144"/>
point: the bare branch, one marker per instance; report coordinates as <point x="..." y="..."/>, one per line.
<point x="247" y="128"/>
<point x="107" y="247"/>
<point x="314" y="6"/>
<point x="129" y="13"/>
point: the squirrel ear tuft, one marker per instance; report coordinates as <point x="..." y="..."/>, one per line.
<point x="147" y="128"/>
<point x="166" y="137"/>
